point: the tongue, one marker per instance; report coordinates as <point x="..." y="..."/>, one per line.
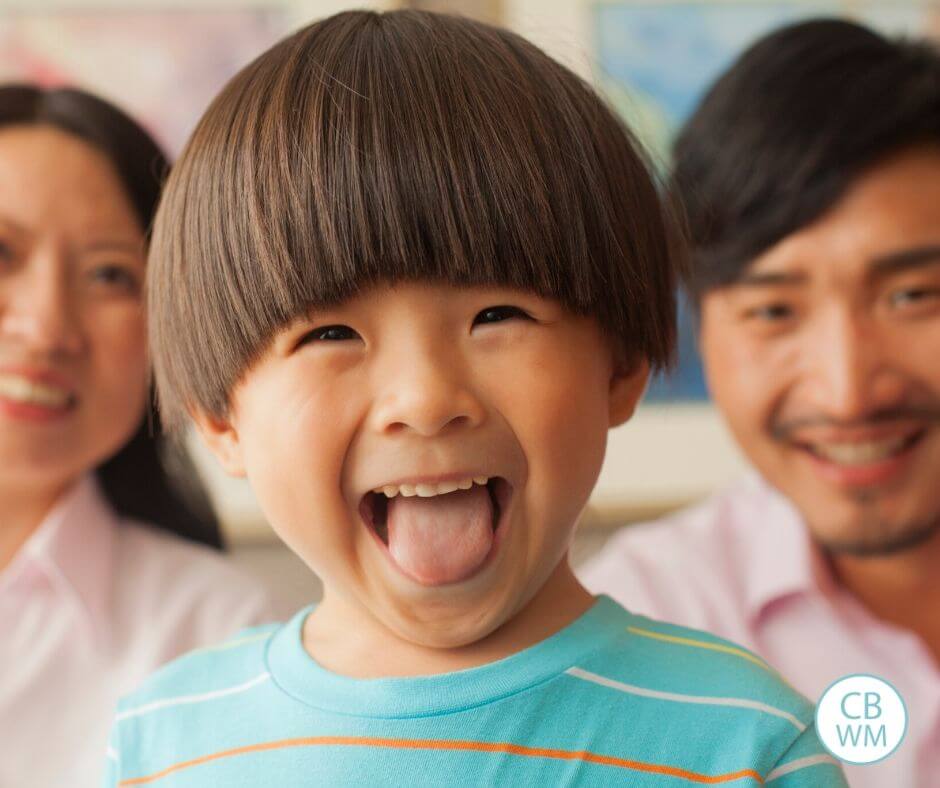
<point x="442" y="539"/>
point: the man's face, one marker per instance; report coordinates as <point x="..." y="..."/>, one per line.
<point x="427" y="450"/>
<point x="824" y="357"/>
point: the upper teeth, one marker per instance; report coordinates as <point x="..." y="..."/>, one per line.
<point x="429" y="490"/>
<point x="21" y="389"/>
<point x="859" y="453"/>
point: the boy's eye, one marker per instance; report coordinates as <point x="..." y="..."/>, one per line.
<point x="329" y="334"/>
<point x="497" y="314"/>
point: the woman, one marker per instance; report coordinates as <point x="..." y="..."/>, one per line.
<point x="97" y="587"/>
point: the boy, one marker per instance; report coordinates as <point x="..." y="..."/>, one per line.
<point x="423" y="270"/>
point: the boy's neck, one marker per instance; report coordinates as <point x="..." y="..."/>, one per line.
<point x="376" y="652"/>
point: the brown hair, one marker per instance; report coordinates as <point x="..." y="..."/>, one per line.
<point x="403" y="146"/>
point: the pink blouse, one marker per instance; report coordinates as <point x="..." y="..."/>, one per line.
<point x="89" y="606"/>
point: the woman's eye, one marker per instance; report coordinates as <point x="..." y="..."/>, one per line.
<point x="497" y="314"/>
<point x="116" y="276"/>
<point x="6" y="253"/>
<point x="329" y="334"/>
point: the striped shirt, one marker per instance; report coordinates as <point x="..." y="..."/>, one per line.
<point x="611" y="699"/>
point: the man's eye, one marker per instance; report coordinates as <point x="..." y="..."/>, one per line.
<point x="497" y="314"/>
<point x="329" y="334"/>
<point x="913" y="296"/>
<point x="770" y="313"/>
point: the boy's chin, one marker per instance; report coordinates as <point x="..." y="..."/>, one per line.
<point x="447" y="626"/>
<point x="445" y="640"/>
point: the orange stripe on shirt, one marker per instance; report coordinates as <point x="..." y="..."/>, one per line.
<point x="448" y="744"/>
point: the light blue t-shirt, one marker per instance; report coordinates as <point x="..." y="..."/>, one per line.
<point x="611" y="699"/>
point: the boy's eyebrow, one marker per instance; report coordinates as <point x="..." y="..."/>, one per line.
<point x="904" y="260"/>
<point x="316" y="311"/>
<point x="770" y="279"/>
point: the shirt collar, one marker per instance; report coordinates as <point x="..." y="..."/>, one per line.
<point x="781" y="557"/>
<point x="74" y="548"/>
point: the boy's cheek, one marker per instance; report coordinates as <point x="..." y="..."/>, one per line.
<point x="295" y="465"/>
<point x="564" y="438"/>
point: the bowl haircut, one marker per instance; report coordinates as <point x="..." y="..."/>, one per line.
<point x="370" y="149"/>
<point x="782" y="135"/>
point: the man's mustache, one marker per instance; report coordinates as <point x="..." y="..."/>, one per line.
<point x="783" y="429"/>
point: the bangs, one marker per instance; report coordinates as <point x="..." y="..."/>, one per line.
<point x="371" y="149"/>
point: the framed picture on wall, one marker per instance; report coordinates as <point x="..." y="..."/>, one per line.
<point x="161" y="65"/>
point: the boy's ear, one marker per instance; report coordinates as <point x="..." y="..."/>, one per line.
<point x="627" y="385"/>
<point x="220" y="435"/>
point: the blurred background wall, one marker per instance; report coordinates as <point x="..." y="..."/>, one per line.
<point x="163" y="62"/>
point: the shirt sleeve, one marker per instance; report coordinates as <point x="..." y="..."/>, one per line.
<point x="806" y="765"/>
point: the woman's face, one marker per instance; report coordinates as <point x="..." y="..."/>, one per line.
<point x="73" y="365"/>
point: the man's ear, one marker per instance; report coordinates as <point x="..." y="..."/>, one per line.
<point x="627" y="385"/>
<point x="220" y="435"/>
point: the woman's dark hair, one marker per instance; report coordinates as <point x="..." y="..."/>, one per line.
<point x="786" y="130"/>
<point x="135" y="480"/>
<point x="369" y="149"/>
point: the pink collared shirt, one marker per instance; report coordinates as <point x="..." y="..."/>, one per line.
<point x="741" y="565"/>
<point x="88" y="607"/>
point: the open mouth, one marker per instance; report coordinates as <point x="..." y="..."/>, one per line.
<point x="374" y="505"/>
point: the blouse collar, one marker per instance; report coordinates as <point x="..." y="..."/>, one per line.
<point x="71" y="554"/>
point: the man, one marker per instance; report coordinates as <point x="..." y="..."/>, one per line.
<point x="811" y="174"/>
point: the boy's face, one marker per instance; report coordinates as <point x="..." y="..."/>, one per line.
<point x="419" y="388"/>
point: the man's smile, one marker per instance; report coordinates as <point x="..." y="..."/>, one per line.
<point x="867" y="458"/>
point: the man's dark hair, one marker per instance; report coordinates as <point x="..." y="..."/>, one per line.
<point x="784" y="132"/>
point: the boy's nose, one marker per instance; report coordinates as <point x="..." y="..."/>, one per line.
<point x="427" y="395"/>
